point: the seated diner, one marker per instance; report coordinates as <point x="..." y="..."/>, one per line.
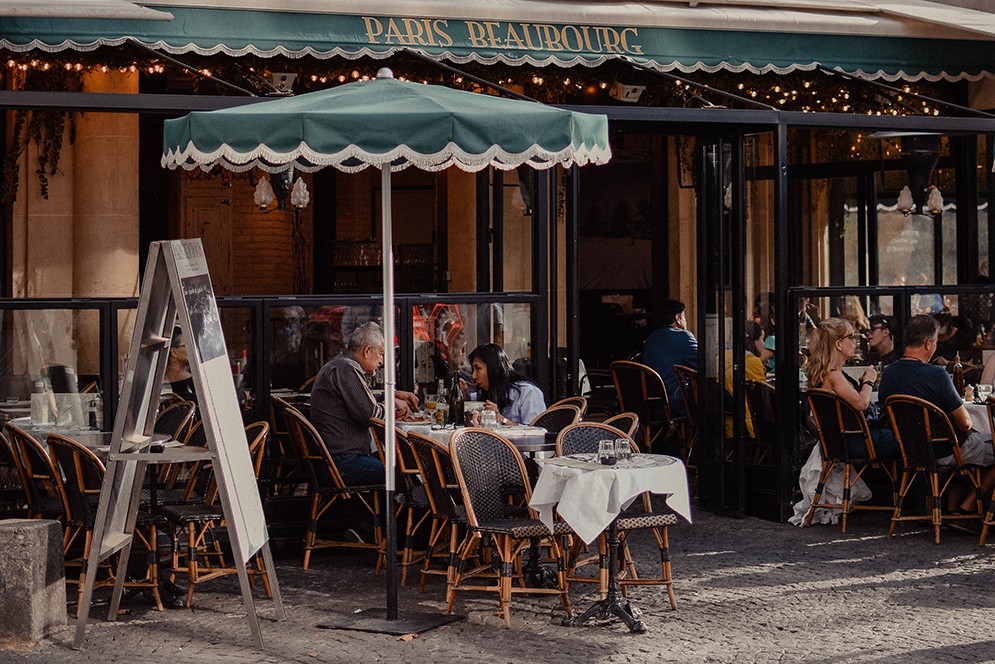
<point x="515" y="398"/>
<point x="342" y="405"/>
<point x="832" y="343"/>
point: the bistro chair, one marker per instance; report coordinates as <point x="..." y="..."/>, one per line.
<point x="990" y="514"/>
<point x="81" y="479"/>
<point x="920" y="427"/>
<point x="13" y="493"/>
<point x="760" y="401"/>
<point x="837" y="422"/>
<point x="326" y="488"/>
<point x="305" y="387"/>
<point x="580" y="402"/>
<point x="203" y="556"/>
<point x="602" y="397"/>
<point x="626" y="423"/>
<point x="414" y="508"/>
<point x="487" y="466"/>
<point x="687" y="383"/>
<point x="38" y="474"/>
<point x="641" y="391"/>
<point x="555" y="418"/>
<point x="445" y="501"/>
<point x="583" y="438"/>
<point x="175" y="419"/>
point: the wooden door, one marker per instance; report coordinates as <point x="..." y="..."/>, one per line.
<point x="209" y="217"/>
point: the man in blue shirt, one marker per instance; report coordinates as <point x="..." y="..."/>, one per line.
<point x="913" y="375"/>
<point x="671" y="344"/>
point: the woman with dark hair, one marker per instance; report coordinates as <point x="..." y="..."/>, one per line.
<point x="514" y="398"/>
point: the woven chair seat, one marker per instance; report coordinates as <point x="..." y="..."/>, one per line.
<point x="191" y="512"/>
<point x="356" y="488"/>
<point x="167" y="497"/>
<point x="522" y="528"/>
<point x="645" y="520"/>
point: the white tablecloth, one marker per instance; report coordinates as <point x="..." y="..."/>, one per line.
<point x="979" y="414"/>
<point x="527" y="439"/>
<point x="588" y="496"/>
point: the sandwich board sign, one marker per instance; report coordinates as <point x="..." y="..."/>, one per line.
<point x="177" y="288"/>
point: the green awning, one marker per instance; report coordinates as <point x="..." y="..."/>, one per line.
<point x="295" y="34"/>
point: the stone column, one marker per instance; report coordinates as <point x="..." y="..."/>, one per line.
<point x="105" y="229"/>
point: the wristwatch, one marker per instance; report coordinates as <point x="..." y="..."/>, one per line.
<point x="867" y="382"/>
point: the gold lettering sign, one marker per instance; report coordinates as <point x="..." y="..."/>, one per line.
<point x="502" y="36"/>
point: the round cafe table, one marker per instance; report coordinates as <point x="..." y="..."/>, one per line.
<point x="528" y="440"/>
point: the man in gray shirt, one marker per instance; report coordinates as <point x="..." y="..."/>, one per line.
<point x="342" y="405"/>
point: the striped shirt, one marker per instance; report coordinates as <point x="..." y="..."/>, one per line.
<point x="342" y="405"/>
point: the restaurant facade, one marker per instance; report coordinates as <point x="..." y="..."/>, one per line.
<point x="760" y="150"/>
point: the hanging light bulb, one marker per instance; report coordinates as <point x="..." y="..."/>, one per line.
<point x="905" y="201"/>
<point x="264" y="195"/>
<point x="934" y="201"/>
<point x="299" y="195"/>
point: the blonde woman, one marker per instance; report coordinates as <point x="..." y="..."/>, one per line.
<point x="832" y="343"/>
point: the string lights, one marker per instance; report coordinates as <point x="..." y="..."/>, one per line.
<point x="808" y="92"/>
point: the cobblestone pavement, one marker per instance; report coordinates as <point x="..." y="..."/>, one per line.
<point x="748" y="591"/>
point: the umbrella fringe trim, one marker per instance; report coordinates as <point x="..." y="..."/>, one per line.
<point x="307" y="160"/>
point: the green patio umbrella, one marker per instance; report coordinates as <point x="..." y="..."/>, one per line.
<point x="390" y="125"/>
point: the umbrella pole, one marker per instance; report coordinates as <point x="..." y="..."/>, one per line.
<point x="389" y="390"/>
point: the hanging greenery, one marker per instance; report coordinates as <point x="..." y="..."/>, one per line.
<point x="44" y="129"/>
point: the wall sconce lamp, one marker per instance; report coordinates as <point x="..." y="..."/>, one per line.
<point x="922" y="153"/>
<point x="265" y="194"/>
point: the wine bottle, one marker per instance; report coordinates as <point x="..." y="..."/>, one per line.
<point x="958" y="375"/>
<point x="456" y="405"/>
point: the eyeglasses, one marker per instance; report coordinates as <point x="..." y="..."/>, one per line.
<point x="850" y="336"/>
<point x="878" y="327"/>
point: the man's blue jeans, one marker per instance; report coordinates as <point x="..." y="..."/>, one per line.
<point x="359" y="469"/>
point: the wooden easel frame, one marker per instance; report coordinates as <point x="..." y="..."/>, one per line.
<point x="176" y="285"/>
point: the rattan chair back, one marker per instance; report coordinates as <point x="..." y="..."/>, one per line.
<point x="919" y="427"/>
<point x="39" y="474"/>
<point x="13" y="493"/>
<point x="318" y="466"/>
<point x="641" y="391"/>
<point x="175" y="420"/>
<point x="627" y="423"/>
<point x="81" y="478"/>
<point x="836" y="422"/>
<point x="556" y="418"/>
<point x="583" y="438"/>
<point x="489" y="468"/>
<point x="580" y="402"/>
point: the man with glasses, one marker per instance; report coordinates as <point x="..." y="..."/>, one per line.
<point x="881" y="341"/>
<point x="912" y="374"/>
<point x="342" y="405"/>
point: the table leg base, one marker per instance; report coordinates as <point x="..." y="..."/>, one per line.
<point x="606" y="609"/>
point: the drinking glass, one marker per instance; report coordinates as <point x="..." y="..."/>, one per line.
<point x="623" y="451"/>
<point x="606" y="452"/>
<point x="431" y="401"/>
<point x="488" y="418"/>
<point x="983" y="392"/>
